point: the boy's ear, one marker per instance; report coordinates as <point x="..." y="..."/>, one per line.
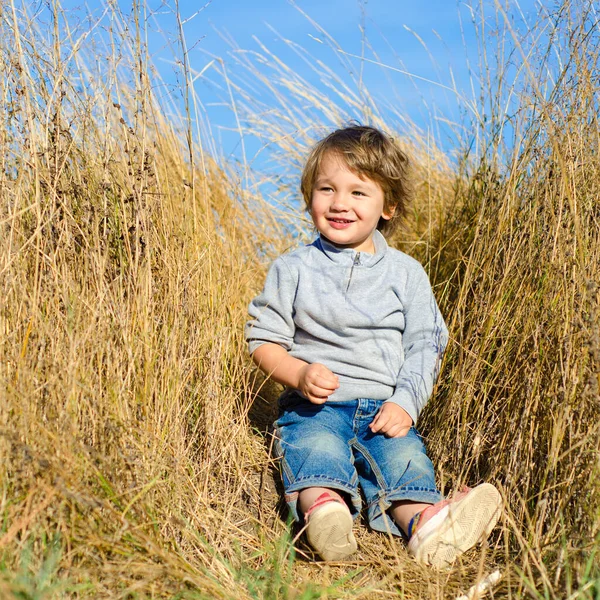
<point x="388" y="213"/>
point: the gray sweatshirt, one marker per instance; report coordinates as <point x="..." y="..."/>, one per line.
<point x="370" y="318"/>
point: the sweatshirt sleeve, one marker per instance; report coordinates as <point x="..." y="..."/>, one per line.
<point x="424" y="340"/>
<point x="272" y="310"/>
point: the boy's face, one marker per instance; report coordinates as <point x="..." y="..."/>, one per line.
<point x="346" y="208"/>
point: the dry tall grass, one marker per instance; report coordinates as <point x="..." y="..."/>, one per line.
<point x="133" y="457"/>
<point x="520" y="259"/>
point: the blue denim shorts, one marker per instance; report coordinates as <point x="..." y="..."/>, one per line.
<point x="330" y="445"/>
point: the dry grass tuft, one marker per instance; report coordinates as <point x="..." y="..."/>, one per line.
<point x="520" y="401"/>
<point x="133" y="456"/>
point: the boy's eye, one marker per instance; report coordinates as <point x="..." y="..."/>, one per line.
<point x="358" y="193"/>
<point x="325" y="188"/>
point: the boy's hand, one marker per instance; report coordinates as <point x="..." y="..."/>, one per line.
<point x="317" y="382"/>
<point x="391" y="420"/>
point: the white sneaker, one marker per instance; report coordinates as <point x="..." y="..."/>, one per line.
<point x="329" y="529"/>
<point x="456" y="526"/>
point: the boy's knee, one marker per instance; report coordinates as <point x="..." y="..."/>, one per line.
<point x="326" y="451"/>
<point x="325" y="443"/>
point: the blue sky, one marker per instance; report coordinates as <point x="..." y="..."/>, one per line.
<point x="417" y="43"/>
<point x="432" y="41"/>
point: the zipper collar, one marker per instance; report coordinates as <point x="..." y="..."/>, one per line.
<point x="348" y="256"/>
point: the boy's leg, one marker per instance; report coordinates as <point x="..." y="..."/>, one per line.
<point x="316" y="465"/>
<point x="308" y="496"/>
<point x="393" y="472"/>
<point x="398" y="478"/>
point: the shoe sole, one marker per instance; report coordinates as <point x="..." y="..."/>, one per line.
<point x="468" y="522"/>
<point x="329" y="532"/>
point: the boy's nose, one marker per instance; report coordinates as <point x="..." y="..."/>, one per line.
<point x="339" y="203"/>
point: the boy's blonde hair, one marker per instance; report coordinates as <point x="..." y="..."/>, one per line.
<point x="370" y="153"/>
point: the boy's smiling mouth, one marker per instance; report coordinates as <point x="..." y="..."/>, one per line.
<point x="336" y="223"/>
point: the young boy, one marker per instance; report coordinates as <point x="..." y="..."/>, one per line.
<point x="351" y="328"/>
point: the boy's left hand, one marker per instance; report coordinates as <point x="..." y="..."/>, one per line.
<point x="391" y="420"/>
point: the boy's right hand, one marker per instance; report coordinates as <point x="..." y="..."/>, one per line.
<point x="317" y="382"/>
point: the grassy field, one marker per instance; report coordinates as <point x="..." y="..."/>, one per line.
<point x="134" y="448"/>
